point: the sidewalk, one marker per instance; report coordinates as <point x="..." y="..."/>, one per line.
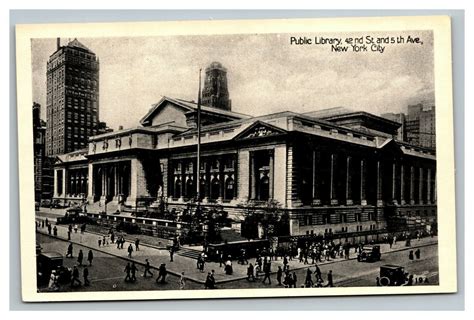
<point x="157" y="256"/>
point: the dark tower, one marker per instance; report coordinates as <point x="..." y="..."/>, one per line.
<point x="72" y="98"/>
<point x="215" y="93"/>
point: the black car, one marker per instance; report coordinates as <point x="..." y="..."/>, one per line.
<point x="369" y="253"/>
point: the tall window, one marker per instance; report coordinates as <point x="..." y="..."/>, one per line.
<point x="229" y="189"/>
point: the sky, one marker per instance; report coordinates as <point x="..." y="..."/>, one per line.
<point x="265" y="73"/>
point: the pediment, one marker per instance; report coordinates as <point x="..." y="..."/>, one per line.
<point x="260" y="130"/>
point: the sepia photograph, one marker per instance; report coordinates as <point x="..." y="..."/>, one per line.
<point x="236" y="159"/>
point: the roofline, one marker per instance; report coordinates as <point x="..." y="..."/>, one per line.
<point x="357" y="113"/>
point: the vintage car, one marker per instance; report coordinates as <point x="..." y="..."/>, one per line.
<point x="369" y="253"/>
<point x="75" y="215"/>
<point x="46" y="262"/>
<point x="392" y="275"/>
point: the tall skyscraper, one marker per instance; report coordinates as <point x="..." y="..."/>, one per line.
<point x="43" y="166"/>
<point x="72" y="98"/>
<point x="215" y="93"/>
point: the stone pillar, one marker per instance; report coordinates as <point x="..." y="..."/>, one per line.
<point x="402" y="184"/>
<point x="363" y="175"/>
<point x="243" y="174"/>
<point x="221" y="180"/>
<point x="428" y="186"/>
<point x="435" y="194"/>
<point x="103" y="176"/>
<point x="64" y="183"/>
<point x="279" y="174"/>
<point x="90" y="184"/>
<point x="271" y="174"/>
<point x="379" y="183"/>
<point x="316" y="184"/>
<point x="394" y="182"/>
<point x="164" y="174"/>
<point x="137" y="182"/>
<point x="412" y="185"/>
<point x="253" y="178"/>
<point x="116" y="182"/>
<point x="349" y="181"/>
<point x="333" y="184"/>
<point x="420" y="187"/>
<point x="55" y="193"/>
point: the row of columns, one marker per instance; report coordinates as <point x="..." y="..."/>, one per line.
<point x="349" y="172"/>
<point x="113" y="180"/>
<point x="77" y="181"/>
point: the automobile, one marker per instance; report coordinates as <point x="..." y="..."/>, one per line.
<point x="369" y="253"/>
<point x="46" y="262"/>
<point x="75" y="215"/>
<point x="392" y="275"/>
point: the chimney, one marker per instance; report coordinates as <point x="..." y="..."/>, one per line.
<point x="58" y="43"/>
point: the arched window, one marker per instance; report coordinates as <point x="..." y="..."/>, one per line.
<point x="229" y="189"/>
<point x="190" y="190"/>
<point x="215" y="188"/>
<point x="264" y="188"/>
<point x="177" y="188"/>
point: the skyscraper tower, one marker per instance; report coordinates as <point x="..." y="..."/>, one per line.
<point x="215" y="93"/>
<point x="72" y="98"/>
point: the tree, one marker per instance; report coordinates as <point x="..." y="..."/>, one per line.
<point x="268" y="215"/>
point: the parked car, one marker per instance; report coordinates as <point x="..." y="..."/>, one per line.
<point x="75" y="215"/>
<point x="369" y="253"/>
<point x="392" y="275"/>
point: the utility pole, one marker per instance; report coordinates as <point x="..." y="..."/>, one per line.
<point x="198" y="162"/>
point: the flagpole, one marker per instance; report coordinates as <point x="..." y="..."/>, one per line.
<point x="198" y="165"/>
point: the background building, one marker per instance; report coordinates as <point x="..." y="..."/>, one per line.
<point x="72" y="98"/>
<point x="215" y="93"/>
<point x="43" y="166"/>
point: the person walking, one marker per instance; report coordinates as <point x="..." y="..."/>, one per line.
<point x="410" y="255"/>
<point x="55" y="231"/>
<point x="85" y="274"/>
<point x="308" y="281"/>
<point x="317" y="273"/>
<point x="75" y="228"/>
<point x="130" y="250"/>
<point x="69" y="251"/>
<point x="69" y="228"/>
<point x="330" y="283"/>
<point x="207" y="283"/>
<point x="99" y="241"/>
<point x="182" y="281"/>
<point x="112" y="237"/>
<point x="122" y="242"/>
<point x="69" y="235"/>
<point x="417" y="253"/>
<point x="75" y="277"/>
<point x="162" y="273"/>
<point x="250" y="274"/>
<point x="279" y="275"/>
<point x="147" y="269"/>
<point x="80" y="257"/>
<point x="171" y="254"/>
<point x="294" y="280"/>
<point x="137" y="244"/>
<point x="266" y="270"/>
<point x="83" y="228"/>
<point x="42" y="224"/>
<point x="133" y="270"/>
<point x="90" y="257"/>
<point x="127" y="271"/>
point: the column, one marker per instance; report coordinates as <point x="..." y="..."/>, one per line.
<point x="270" y="174"/>
<point x="90" y="185"/>
<point x="64" y="183"/>
<point x="221" y="180"/>
<point x="363" y="175"/>
<point x="428" y="186"/>
<point x="394" y="182"/>
<point x="116" y="182"/>
<point x="435" y="194"/>
<point x="253" y="178"/>
<point x="103" y="177"/>
<point x="333" y="191"/>
<point x="183" y="180"/>
<point x="56" y="193"/>
<point x="348" y="181"/>
<point x="316" y="186"/>
<point x="379" y="183"/>
<point x="412" y="185"/>
<point x="402" y="184"/>
<point x="420" y="187"/>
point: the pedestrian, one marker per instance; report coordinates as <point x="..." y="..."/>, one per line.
<point x="42" y="223"/>
<point x="410" y="255"/>
<point x="122" y="242"/>
<point x="83" y="228"/>
<point x="147" y="269"/>
<point x="294" y="279"/>
<point x="162" y="273"/>
<point x="417" y="253"/>
<point x="308" y="281"/>
<point x="182" y="281"/>
<point x="53" y="281"/>
<point x="90" y="257"/>
<point x="85" y="274"/>
<point x="130" y="250"/>
<point x="69" y="251"/>
<point x="69" y="228"/>
<point x="330" y="283"/>
<point x="112" y="237"/>
<point x="137" y="243"/>
<point x="118" y="243"/>
<point x="75" y="228"/>
<point x="133" y="270"/>
<point x="266" y="270"/>
<point x="69" y="235"/>
<point x="104" y="241"/>
<point x="75" y="277"/>
<point x="55" y="231"/>
<point x="213" y="280"/>
<point x="279" y="275"/>
<point x="80" y="256"/>
<point x="250" y="274"/>
<point x="99" y="241"/>
<point x="127" y="271"/>
<point x="171" y="254"/>
<point x="207" y="283"/>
